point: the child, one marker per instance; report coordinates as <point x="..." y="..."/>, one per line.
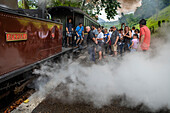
<point x="137" y="32"/>
<point x="135" y="43"/>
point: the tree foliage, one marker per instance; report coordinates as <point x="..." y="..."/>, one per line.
<point x="94" y="7"/>
<point x="28" y="4"/>
<point x="91" y="7"/>
<point x="73" y="3"/>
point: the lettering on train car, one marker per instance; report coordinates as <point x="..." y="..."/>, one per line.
<point x="10" y="36"/>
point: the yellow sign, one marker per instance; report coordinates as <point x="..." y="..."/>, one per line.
<point x="10" y="36"/>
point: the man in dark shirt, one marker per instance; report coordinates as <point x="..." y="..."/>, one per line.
<point x="69" y="30"/>
<point x="91" y="41"/>
<point x="114" y="40"/>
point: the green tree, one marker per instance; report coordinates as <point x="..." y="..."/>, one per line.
<point x="28" y="4"/>
<point x="91" y="7"/>
<point x="73" y="3"/>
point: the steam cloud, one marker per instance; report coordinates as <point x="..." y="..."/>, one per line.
<point x="143" y="78"/>
<point x="129" y="5"/>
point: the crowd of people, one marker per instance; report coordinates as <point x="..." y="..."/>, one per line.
<point x="102" y="42"/>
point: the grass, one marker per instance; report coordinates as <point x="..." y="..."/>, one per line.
<point x="162" y="15"/>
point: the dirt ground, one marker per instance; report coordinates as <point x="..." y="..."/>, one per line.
<point x="51" y="105"/>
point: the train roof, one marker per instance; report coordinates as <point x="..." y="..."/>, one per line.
<point x="71" y="9"/>
<point x="20" y="12"/>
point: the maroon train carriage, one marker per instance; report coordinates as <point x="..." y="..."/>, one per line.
<point x="26" y="41"/>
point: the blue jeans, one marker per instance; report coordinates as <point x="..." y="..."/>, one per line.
<point x="80" y="37"/>
<point x="126" y="47"/>
<point x="121" y="47"/>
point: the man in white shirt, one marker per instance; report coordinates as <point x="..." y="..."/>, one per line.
<point x="100" y="42"/>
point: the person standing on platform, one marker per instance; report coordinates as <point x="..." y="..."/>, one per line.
<point x="145" y="36"/>
<point x="127" y="38"/>
<point x="69" y="30"/>
<point x="95" y="32"/>
<point x="91" y="42"/>
<point x="106" y="41"/>
<point x="110" y="34"/>
<point x="114" y="40"/>
<point x="100" y="42"/>
<point x="80" y="33"/>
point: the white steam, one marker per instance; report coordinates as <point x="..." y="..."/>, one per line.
<point x="141" y="78"/>
<point x="129" y="5"/>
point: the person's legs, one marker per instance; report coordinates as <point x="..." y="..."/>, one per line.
<point x="91" y="53"/>
<point x="99" y="49"/>
<point x="77" y="41"/>
<point x="100" y="55"/>
<point x="67" y="40"/>
<point x="70" y="40"/>
<point x="121" y="48"/>
<point x="112" y="49"/>
<point x="115" y="50"/>
<point x="118" y="48"/>
<point x="105" y="48"/>
<point x="115" y="53"/>
<point x="81" y="39"/>
<point x="128" y="47"/>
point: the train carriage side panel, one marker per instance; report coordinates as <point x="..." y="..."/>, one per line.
<point x="25" y="40"/>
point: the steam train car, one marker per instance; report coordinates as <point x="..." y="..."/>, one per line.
<point x="24" y="42"/>
<point x="77" y="15"/>
<point x="27" y="40"/>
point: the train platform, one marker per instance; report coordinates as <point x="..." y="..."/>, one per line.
<point x="47" y="103"/>
<point x="39" y="103"/>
